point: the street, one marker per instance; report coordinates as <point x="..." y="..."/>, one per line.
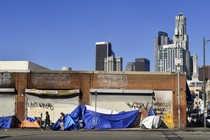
<point x="105" y="135"/>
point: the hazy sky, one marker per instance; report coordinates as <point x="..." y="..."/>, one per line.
<point x="56" y="33"/>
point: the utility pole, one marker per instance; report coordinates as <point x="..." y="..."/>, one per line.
<point x="204" y="79"/>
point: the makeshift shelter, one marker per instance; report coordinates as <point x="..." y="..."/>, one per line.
<point x="152" y="122"/>
<point x="71" y="120"/>
<point x="91" y="119"/>
<point x="30" y="122"/>
<point x="9" y="122"/>
<point x="97" y="120"/>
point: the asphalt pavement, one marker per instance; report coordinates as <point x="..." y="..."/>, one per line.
<point x="110" y="134"/>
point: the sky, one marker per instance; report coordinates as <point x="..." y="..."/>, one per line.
<point x="57" y="33"/>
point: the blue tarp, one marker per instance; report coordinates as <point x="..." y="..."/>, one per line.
<point x="5" y="122"/>
<point x="151" y="112"/>
<point x="9" y="122"/>
<point x="30" y="119"/>
<point x="97" y="120"/>
<point x="71" y="120"/>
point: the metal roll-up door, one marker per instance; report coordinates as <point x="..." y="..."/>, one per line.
<point x="7" y="104"/>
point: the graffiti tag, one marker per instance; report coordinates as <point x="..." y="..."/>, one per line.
<point x="5" y="78"/>
<point x="138" y="105"/>
<point x="161" y="107"/>
<point x="41" y="105"/>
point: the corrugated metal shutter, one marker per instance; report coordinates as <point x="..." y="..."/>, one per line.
<point x="7" y="104"/>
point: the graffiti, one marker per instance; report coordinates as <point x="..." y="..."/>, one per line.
<point x="41" y="105"/>
<point x="51" y="79"/>
<point x="161" y="107"/>
<point x="112" y="80"/>
<point x="138" y="105"/>
<point x="5" y="78"/>
<point x="168" y="120"/>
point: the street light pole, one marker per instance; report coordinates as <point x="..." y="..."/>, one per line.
<point x="178" y="62"/>
<point x="179" y="105"/>
<point x="95" y="109"/>
<point x="204" y="79"/>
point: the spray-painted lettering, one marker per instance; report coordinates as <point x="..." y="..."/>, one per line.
<point x="41" y="105"/>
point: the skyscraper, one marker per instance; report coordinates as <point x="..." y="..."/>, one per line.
<point x="103" y="50"/>
<point x="140" y="64"/>
<point x="119" y="62"/>
<point x="109" y="63"/>
<point x="181" y="41"/>
<point x="167" y="57"/>
<point x="130" y="66"/>
<point x="106" y="59"/>
<point x="113" y="63"/>
<point x="177" y="49"/>
<point x="160" y="40"/>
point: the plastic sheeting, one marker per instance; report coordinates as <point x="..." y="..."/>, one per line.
<point x="97" y="120"/>
<point x="152" y="122"/>
<point x="5" y="122"/>
<point x="71" y="120"/>
<point x="30" y="119"/>
<point x="9" y="122"/>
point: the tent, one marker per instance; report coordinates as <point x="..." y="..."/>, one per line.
<point x="71" y="120"/>
<point x="9" y="122"/>
<point x="97" y="120"/>
<point x="30" y="122"/>
<point x="152" y="122"/>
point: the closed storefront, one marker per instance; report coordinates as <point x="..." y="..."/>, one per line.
<point x="7" y="102"/>
<point x="122" y="100"/>
<point x="53" y="101"/>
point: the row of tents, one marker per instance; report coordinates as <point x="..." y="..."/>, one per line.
<point x="81" y="117"/>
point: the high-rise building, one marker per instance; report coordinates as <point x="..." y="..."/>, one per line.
<point x="140" y="64"/>
<point x="160" y="40"/>
<point x="167" y="58"/>
<point x="181" y="41"/>
<point x="195" y="68"/>
<point x="113" y="63"/>
<point x="109" y="63"/>
<point x="105" y="58"/>
<point x="177" y="49"/>
<point x="119" y="63"/>
<point x="130" y="66"/>
<point x="103" y="50"/>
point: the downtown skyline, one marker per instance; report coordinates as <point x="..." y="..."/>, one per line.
<point x="56" y="33"/>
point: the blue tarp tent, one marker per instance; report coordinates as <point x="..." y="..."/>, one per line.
<point x="97" y="120"/>
<point x="9" y="122"/>
<point x="5" y="122"/>
<point x="71" y="120"/>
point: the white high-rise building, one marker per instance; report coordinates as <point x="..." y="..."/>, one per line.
<point x="113" y="63"/>
<point x="118" y="61"/>
<point x="195" y="68"/>
<point x="109" y="63"/>
<point x="178" y="49"/>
